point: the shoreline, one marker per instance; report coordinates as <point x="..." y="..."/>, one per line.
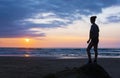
<point x="57" y="57"/>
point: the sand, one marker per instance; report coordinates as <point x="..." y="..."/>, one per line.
<point x="37" y="67"/>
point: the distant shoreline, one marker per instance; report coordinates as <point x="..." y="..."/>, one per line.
<point x="62" y="47"/>
<point x="58" y="57"/>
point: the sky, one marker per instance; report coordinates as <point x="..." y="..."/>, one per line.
<point x="58" y="23"/>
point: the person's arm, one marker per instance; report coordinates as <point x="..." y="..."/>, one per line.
<point x="90" y="34"/>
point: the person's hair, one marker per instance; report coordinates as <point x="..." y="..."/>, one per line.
<point x="93" y="18"/>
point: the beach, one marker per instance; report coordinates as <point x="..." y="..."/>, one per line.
<point x="38" y="67"/>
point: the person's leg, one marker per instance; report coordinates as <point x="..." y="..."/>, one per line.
<point x="88" y="52"/>
<point x="96" y="52"/>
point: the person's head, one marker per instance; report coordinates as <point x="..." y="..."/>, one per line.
<point x="92" y="19"/>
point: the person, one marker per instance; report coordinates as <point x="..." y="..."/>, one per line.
<point x="93" y="39"/>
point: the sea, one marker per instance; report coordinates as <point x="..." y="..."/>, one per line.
<point x="59" y="52"/>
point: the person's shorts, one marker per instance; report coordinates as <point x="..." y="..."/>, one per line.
<point x="95" y="41"/>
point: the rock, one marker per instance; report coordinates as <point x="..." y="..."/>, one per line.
<point x="86" y="71"/>
<point x="93" y="71"/>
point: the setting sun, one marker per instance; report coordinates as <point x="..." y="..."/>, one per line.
<point x="27" y="40"/>
<point x="26" y="55"/>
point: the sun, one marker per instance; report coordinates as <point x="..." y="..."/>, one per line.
<point x="26" y="55"/>
<point x="27" y="40"/>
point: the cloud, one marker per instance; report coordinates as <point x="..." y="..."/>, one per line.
<point x="44" y="18"/>
<point x="110" y="14"/>
<point x="18" y="16"/>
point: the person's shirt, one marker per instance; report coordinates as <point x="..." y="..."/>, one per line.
<point x="94" y="31"/>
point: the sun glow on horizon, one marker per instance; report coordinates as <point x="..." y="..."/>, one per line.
<point x="27" y="40"/>
<point x="26" y="55"/>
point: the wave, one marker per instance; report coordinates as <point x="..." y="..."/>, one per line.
<point x="62" y="52"/>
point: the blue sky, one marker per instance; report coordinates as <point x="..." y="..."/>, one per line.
<point x="17" y="17"/>
<point x="58" y="23"/>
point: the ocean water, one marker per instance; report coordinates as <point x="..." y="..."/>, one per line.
<point x="58" y="52"/>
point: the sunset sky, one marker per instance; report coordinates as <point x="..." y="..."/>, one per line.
<point x="58" y="23"/>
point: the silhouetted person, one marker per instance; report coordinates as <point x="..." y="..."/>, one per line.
<point x="93" y="39"/>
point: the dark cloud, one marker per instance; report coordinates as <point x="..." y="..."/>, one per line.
<point x="13" y="14"/>
<point x="113" y="19"/>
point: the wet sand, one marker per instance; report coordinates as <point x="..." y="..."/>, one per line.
<point x="37" y="67"/>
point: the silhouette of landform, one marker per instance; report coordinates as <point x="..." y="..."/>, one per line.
<point x="86" y="71"/>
